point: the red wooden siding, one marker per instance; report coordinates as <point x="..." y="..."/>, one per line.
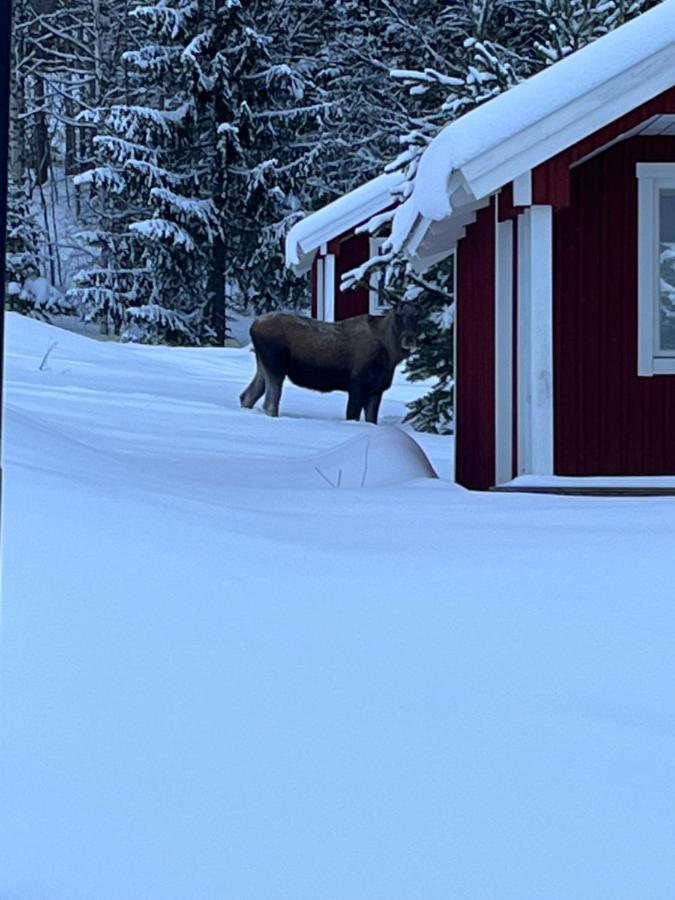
<point x="350" y="252"/>
<point x="608" y="421"/>
<point x="551" y="180"/>
<point x="353" y="251"/>
<point x="475" y="358"/>
<point x="506" y="209"/>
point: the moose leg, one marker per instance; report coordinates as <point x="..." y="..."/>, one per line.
<point x="354" y="403"/>
<point x="273" y="385"/>
<point x="249" y="397"/>
<point x="372" y="407"/>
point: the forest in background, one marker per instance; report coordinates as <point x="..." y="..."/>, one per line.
<point x="161" y="151"/>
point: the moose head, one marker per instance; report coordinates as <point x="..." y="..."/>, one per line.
<point x="406" y="321"/>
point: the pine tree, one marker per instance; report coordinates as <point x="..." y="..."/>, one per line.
<point x="23" y="248"/>
<point x="213" y="165"/>
<point x="559" y="27"/>
<point x="27" y="292"/>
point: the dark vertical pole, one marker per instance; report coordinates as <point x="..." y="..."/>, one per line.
<point x="5" y="47"/>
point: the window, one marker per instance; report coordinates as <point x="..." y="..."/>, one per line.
<point x="656" y="268"/>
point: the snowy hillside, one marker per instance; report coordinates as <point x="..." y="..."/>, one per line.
<point x="225" y="677"/>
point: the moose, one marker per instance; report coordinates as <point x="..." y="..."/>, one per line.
<point x="357" y="355"/>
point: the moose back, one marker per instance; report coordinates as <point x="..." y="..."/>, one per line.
<point x="357" y="355"/>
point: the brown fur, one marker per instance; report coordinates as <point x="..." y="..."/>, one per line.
<point x="358" y="356"/>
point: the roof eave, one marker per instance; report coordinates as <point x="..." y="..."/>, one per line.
<point x="569" y="124"/>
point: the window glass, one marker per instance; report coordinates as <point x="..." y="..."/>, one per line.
<point x="667" y="269"/>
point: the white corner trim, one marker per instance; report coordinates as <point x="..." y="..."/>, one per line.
<point x="329" y="288"/>
<point x="503" y="350"/>
<point x="535" y="341"/>
<point x="524" y="344"/>
<point x="320" y="289"/>
<point x="522" y="189"/>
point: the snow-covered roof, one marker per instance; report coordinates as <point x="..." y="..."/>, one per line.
<point x="505" y="138"/>
<point x="538" y="118"/>
<point x="305" y="238"/>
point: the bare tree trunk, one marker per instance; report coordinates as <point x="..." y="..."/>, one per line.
<point x="216" y="292"/>
<point x="17" y="129"/>
<point x="41" y="135"/>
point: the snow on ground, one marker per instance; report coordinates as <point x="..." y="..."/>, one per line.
<point x="222" y="680"/>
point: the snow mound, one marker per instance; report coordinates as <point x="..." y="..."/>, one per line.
<point x="375" y="457"/>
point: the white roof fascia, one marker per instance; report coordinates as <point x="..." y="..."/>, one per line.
<point x="569" y="124"/>
<point x="459" y="191"/>
<point x="452" y="230"/>
<point x="417" y="235"/>
<point x="460" y="198"/>
<point x="420" y="265"/>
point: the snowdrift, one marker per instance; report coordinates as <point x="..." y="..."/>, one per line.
<point x="168" y="420"/>
<point x="214" y="689"/>
<point x="379" y="455"/>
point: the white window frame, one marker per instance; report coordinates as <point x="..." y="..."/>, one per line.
<point x="375" y="308"/>
<point x="652" y="178"/>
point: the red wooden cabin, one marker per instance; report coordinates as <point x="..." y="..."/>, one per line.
<point x="558" y="198"/>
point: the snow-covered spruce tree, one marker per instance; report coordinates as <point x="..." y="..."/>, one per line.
<point x="27" y="291"/>
<point x="23" y="248"/>
<point x="152" y="250"/>
<point x="559" y="27"/>
<point x="474" y="51"/>
<point x="360" y="43"/>
<point x="232" y="90"/>
<point x="432" y="295"/>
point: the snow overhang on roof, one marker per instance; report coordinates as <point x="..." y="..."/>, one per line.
<point x="508" y="136"/>
<point x="338" y="217"/>
<point x="505" y="138"/>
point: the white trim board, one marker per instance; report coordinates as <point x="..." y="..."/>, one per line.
<point x="535" y="341"/>
<point x="503" y="350"/>
<point x="591" y="481"/>
<point x="329" y="288"/>
<point x="522" y="189"/>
